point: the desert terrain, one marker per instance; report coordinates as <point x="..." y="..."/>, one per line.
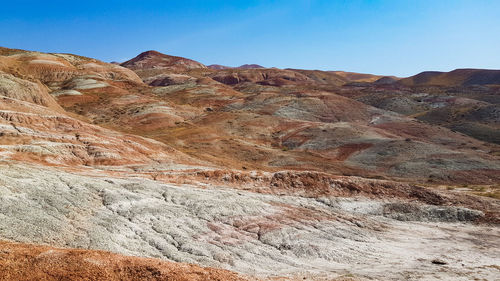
<point x="162" y="168"/>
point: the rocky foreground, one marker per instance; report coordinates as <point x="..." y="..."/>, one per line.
<point x="234" y="174"/>
<point x="31" y="262"/>
<point x="258" y="234"/>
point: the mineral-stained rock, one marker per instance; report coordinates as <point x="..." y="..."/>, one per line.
<point x="32" y="262"/>
<point x="257" y="234"/>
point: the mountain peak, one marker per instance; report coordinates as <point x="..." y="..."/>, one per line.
<point x="154" y="59"/>
<point x="249" y="66"/>
<point x="151" y="53"/>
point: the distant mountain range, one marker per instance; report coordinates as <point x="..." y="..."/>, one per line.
<point x="458" y="77"/>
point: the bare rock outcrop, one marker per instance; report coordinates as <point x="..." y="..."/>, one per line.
<point x="16" y="88"/>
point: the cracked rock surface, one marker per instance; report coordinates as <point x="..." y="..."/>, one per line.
<point x="258" y="234"/>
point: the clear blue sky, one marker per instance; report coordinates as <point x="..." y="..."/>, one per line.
<point x="381" y="37"/>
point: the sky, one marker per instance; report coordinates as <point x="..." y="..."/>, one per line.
<point x="392" y="37"/>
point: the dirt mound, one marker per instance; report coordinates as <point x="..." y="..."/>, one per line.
<point x="50" y="68"/>
<point x="24" y="90"/>
<point x="32" y="262"/>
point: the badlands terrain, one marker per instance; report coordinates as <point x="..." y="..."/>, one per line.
<point x="161" y="168"/>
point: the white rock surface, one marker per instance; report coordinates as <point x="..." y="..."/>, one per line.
<point x="265" y="235"/>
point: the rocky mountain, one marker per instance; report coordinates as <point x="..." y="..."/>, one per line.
<point x="184" y="172"/>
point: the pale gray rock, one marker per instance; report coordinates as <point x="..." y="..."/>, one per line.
<point x="263" y="235"/>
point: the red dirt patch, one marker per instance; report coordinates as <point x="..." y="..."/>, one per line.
<point x="33" y="262"/>
<point x="345" y="151"/>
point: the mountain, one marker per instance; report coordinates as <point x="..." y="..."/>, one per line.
<point x="245" y="66"/>
<point x="457" y="77"/>
<point x="157" y="60"/>
<point x="250" y="66"/>
<point x="386" y="80"/>
<point x="162" y="168"/>
<point x="357" y="77"/>
<point x="218" y="66"/>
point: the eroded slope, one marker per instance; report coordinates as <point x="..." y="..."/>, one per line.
<point x="242" y="176"/>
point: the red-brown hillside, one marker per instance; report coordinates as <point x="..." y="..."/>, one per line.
<point x="34" y="262"/>
<point x="457" y="77"/>
<point x="154" y="59"/>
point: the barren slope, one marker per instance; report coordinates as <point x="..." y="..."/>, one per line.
<point x="256" y="171"/>
<point x="154" y="59"/>
<point x="32" y="262"/>
<point x="375" y="236"/>
<point x="273" y="119"/>
<point x="471" y="110"/>
<point x="457" y="77"/>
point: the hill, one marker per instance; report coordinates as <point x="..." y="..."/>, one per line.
<point x="245" y="66"/>
<point x="457" y="77"/>
<point x="156" y="60"/>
